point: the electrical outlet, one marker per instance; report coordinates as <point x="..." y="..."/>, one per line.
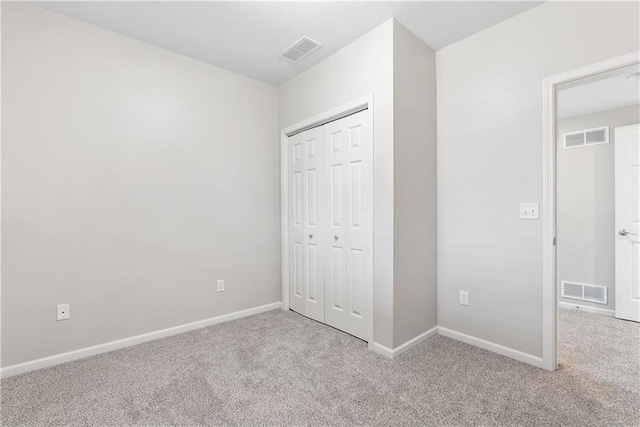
<point x="220" y="286"/>
<point x="464" y="297"/>
<point x="63" y="312"/>
<point x="529" y="211"/>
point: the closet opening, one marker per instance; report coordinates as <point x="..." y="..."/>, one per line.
<point x="328" y="219"/>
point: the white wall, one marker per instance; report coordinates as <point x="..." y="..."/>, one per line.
<point x="414" y="192"/>
<point x="133" y="178"/>
<point x="363" y="67"/>
<point x="489" y="89"/>
<point x="118" y="158"/>
<point x="586" y="203"/>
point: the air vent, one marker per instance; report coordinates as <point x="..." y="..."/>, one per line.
<point x="300" y="49"/>
<point x="584" y="292"/>
<point x="587" y="137"/>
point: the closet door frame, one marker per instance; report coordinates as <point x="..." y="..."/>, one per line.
<point x="360" y="104"/>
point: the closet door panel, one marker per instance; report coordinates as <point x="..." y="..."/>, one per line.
<point x="314" y="221"/>
<point x="296" y="224"/>
<point x="335" y="186"/>
<point x="359" y="222"/>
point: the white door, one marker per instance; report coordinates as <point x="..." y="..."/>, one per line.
<point x="314" y="220"/>
<point x="349" y="201"/>
<point x="307" y="224"/>
<point x="296" y="227"/>
<point x="627" y="166"/>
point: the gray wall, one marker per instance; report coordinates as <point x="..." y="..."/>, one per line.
<point x="490" y="159"/>
<point x="133" y="178"/>
<point x="586" y="204"/>
<point x="414" y="190"/>
<point x="361" y="68"/>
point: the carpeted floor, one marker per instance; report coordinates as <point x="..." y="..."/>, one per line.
<point x="280" y="369"/>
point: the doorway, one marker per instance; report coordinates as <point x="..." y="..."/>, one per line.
<point x="591" y="209"/>
<point x="328" y="215"/>
<point x="331" y="222"/>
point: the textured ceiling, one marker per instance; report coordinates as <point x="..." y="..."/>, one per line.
<point x="248" y="37"/>
<point x="600" y="93"/>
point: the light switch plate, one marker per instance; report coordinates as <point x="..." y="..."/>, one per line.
<point x="220" y="286"/>
<point x="529" y="211"/>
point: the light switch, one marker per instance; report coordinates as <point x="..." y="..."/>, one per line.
<point x="529" y="211"/>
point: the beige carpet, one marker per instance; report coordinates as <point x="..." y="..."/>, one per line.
<point x="280" y="368"/>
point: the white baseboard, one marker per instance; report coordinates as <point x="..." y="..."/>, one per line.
<point x="488" y="345"/>
<point x="594" y="310"/>
<point x="393" y="353"/>
<point x="383" y="350"/>
<point x="127" y="342"/>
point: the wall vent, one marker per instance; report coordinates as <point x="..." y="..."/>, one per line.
<point x="300" y="49"/>
<point x="584" y="292"/>
<point x="583" y="138"/>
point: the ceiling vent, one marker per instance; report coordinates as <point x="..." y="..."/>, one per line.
<point x="300" y="49"/>
<point x="587" y="137"/>
<point x="584" y="292"/>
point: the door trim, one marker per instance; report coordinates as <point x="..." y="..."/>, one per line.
<point x="548" y="208"/>
<point x="357" y="105"/>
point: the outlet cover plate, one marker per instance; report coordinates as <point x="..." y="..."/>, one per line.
<point x="464" y="297"/>
<point x="63" y="312"/>
<point x="529" y="211"/>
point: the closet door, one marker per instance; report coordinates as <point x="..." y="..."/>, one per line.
<point x="349" y="201"/>
<point x="296" y="226"/>
<point x="314" y="222"/>
<point x="335" y="200"/>
<point x="307" y="221"/>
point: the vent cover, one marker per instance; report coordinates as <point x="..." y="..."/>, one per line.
<point x="587" y="137"/>
<point x="584" y="292"/>
<point x="300" y="49"/>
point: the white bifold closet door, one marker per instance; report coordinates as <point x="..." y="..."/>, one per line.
<point x="307" y="228"/>
<point x="331" y="223"/>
